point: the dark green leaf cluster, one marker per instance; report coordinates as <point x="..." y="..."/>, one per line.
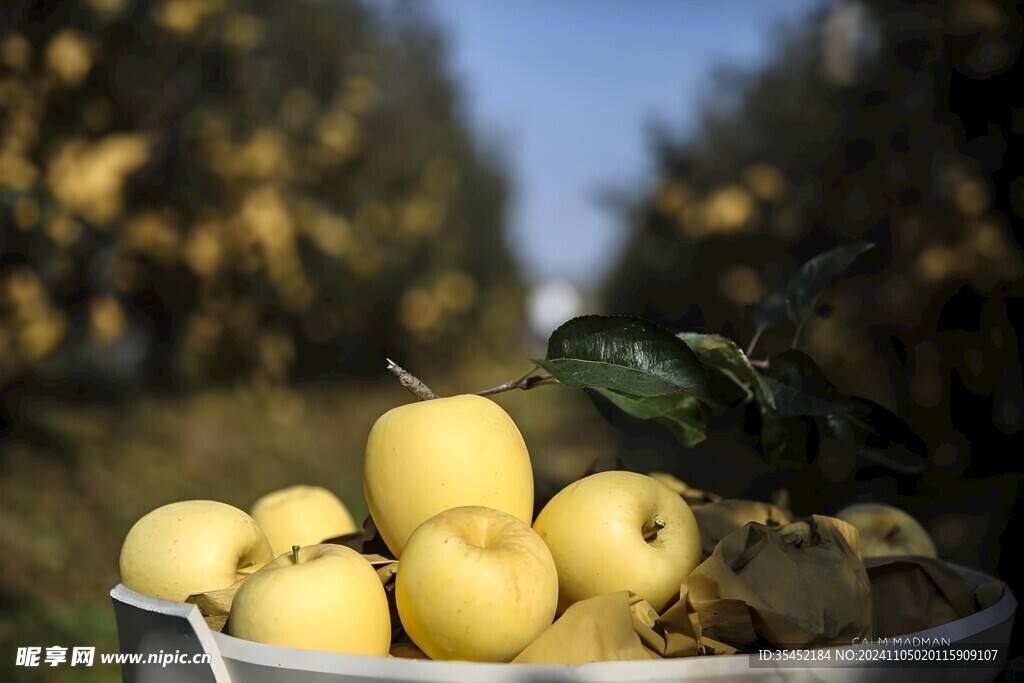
<point x="679" y="379"/>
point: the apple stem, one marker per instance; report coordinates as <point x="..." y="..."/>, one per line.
<point x="295" y="554"/>
<point x="893" y="532"/>
<point x="651" y="532"/>
<point x="411" y="382"/>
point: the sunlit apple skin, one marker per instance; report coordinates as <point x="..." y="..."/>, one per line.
<point x="191" y="546"/>
<point x="301" y="515"/>
<point x="595" y="529"/>
<point x="475" y="584"/>
<point x="887" y="531"/>
<point x="430" y="456"/>
<point x="331" y="599"/>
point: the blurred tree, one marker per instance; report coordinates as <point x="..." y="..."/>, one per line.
<point x="200" y="190"/>
<point x="896" y="122"/>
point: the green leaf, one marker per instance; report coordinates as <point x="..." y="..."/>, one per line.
<point x="769" y="312"/>
<point x="682" y="413"/>
<point x="725" y="361"/>
<point x="800" y="387"/>
<point x="879" y="435"/>
<point x="628" y="355"/>
<point x="786" y="440"/>
<point x="790" y="402"/>
<point x="807" y="284"/>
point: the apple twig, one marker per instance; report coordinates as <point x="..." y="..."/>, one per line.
<point x="424" y="393"/>
<point x="757" y="336"/>
<point x="411" y="382"/>
<point x="522" y="383"/>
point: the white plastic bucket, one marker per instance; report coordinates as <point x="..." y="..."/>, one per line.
<point x="152" y="626"/>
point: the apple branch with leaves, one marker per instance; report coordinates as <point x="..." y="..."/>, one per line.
<point x="679" y="379"/>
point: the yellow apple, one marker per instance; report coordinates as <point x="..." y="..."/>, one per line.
<point x="426" y="457"/>
<point x="616" y="531"/>
<point x="301" y="515"/>
<point x="320" y="597"/>
<point x="719" y="519"/>
<point x="476" y="584"/>
<point x="192" y="546"/>
<point x="886" y="530"/>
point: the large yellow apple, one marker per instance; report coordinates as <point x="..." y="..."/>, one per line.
<point x="616" y="531"/>
<point x="476" y="584"/>
<point x="426" y="457"/>
<point x="301" y="515"/>
<point x="192" y="546"/>
<point x="886" y="530"/>
<point x="320" y="597"/>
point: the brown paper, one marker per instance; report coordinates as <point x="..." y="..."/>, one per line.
<point x="215" y="606"/>
<point x="676" y="633"/>
<point x="913" y="594"/>
<point x="792" y="586"/>
<point x="599" y="629"/>
<point x="718" y="519"/>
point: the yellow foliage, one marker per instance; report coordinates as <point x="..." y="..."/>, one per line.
<point x="202" y="332"/>
<point x="203" y="252"/>
<point x="41" y="336"/>
<point x="20" y="130"/>
<point x="330" y="232"/>
<point x="971" y="197"/>
<point x="26" y="213"/>
<point x="276" y="353"/>
<point x="455" y="290"/>
<point x="25" y="295"/>
<point x="422" y="217"/>
<point x="728" y="209"/>
<point x="88" y="177"/>
<point x="419" y="312"/>
<point x="936" y="262"/>
<point x="63" y="230"/>
<point x="298" y="108"/>
<point x="153" y="234"/>
<point x="16" y="52"/>
<point x="184" y="17"/>
<point x="672" y="197"/>
<point x="440" y="176"/>
<point x="360" y="94"/>
<point x="766" y="182"/>
<point x="267" y="216"/>
<point x="338" y="132"/>
<point x="264" y="154"/>
<point x="69" y="56"/>
<point x="16" y="172"/>
<point x="741" y="285"/>
<point x="107" y="9"/>
<point x="106" y="320"/>
<point x="243" y="32"/>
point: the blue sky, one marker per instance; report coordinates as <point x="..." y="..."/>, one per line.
<point x="567" y="87"/>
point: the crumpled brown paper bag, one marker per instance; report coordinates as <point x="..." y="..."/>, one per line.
<point x="599" y="629"/>
<point x="802" y="584"/>
<point x="913" y="594"/>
